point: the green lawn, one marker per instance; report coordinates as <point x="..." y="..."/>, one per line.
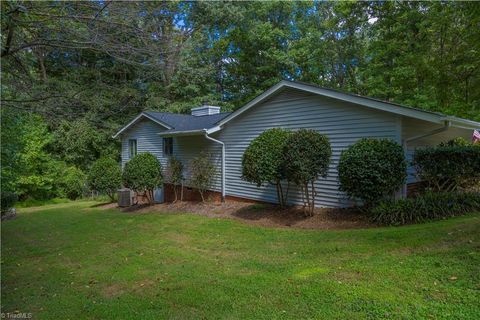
<point x="72" y="261"/>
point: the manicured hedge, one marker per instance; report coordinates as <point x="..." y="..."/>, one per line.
<point x="262" y="162"/>
<point x="430" y="206"/>
<point x="448" y="167"/>
<point x="105" y="176"/>
<point x="372" y="169"/>
<point x="306" y="156"/>
<point x="143" y="173"/>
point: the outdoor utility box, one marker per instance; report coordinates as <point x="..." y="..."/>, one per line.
<point x="125" y="197"/>
<point x="158" y="195"/>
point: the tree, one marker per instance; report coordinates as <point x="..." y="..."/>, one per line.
<point x="307" y="156"/>
<point x="72" y="183"/>
<point x="143" y="173"/>
<point x="174" y="175"/>
<point x="105" y="176"/>
<point x="262" y="162"/>
<point x="202" y="173"/>
<point x="372" y="169"/>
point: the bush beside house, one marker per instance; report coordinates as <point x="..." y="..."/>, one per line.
<point x="449" y="166"/>
<point x="174" y="175"/>
<point x="372" y="170"/>
<point x="202" y="173"/>
<point x="263" y="161"/>
<point x="306" y="156"/>
<point x="105" y="176"/>
<point x="143" y="173"/>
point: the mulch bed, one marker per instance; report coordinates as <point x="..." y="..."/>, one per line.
<point x="265" y="215"/>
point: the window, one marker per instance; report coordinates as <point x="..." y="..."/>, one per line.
<point x="167" y="146"/>
<point x="132" y="147"/>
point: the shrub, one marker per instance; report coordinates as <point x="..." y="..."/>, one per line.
<point x="448" y="167"/>
<point x="174" y="174"/>
<point x="372" y="169"/>
<point x="307" y="156"/>
<point x="262" y="162"/>
<point x="202" y="172"/>
<point x="426" y="207"/>
<point x="72" y="183"/>
<point x="105" y="176"/>
<point x="143" y="173"/>
<point x="459" y="141"/>
<point x="8" y="200"/>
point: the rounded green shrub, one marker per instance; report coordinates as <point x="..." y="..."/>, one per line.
<point x="72" y="183"/>
<point x="448" y="167"/>
<point x="143" y="173"/>
<point x="372" y="169"/>
<point x="307" y="156"/>
<point x="105" y="176"/>
<point x="262" y="162"/>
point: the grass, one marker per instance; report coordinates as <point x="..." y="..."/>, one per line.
<point x="74" y="261"/>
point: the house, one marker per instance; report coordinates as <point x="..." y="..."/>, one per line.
<point x="343" y="117"/>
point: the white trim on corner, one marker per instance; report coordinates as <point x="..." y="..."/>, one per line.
<point x="364" y="101"/>
<point x="143" y="114"/>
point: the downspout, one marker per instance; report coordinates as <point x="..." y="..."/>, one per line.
<point x="445" y="127"/>
<point x="223" y="162"/>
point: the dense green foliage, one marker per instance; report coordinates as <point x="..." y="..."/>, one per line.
<point x="372" y="169"/>
<point x="448" y="167"/>
<point x="105" y="176"/>
<point x="428" y="206"/>
<point x="104" y="264"/>
<point x="72" y="183"/>
<point x="202" y="173"/>
<point x="174" y="174"/>
<point x="262" y="161"/>
<point x="8" y="200"/>
<point x="143" y="173"/>
<point x="87" y="67"/>
<point x="307" y="156"/>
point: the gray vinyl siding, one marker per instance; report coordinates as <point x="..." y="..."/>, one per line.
<point x="342" y="122"/>
<point x="188" y="147"/>
<point x="148" y="140"/>
<point x="146" y="132"/>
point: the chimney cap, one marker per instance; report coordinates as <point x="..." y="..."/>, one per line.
<point x="205" y="110"/>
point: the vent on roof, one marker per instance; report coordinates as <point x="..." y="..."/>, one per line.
<point x="205" y="110"/>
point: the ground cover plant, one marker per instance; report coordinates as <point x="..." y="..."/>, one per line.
<point x="77" y="261"/>
<point x="428" y="206"/>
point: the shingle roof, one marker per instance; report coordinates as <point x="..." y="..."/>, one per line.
<point x="186" y="122"/>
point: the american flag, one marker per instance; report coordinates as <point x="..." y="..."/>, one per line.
<point x="476" y="136"/>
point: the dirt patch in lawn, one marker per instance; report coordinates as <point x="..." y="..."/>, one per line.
<point x="261" y="214"/>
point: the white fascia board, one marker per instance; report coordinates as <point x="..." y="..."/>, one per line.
<point x="183" y="133"/>
<point x="137" y="118"/>
<point x="463" y="123"/>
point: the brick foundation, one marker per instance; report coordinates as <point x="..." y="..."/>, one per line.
<point x="192" y="194"/>
<point x="189" y="194"/>
<point x="414" y="189"/>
